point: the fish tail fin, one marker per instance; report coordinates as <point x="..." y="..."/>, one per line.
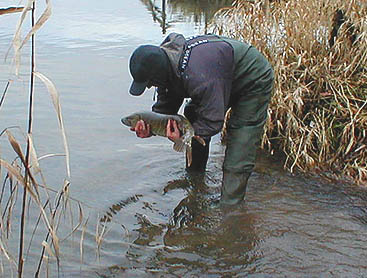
<point x="179" y="145"/>
<point x="200" y="140"/>
<point x="189" y="156"/>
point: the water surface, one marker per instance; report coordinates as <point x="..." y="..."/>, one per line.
<point x="157" y="220"/>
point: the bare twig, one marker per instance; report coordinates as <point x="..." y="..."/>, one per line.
<point x="10" y="10"/>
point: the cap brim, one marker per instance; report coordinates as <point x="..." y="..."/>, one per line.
<point x="137" y="88"/>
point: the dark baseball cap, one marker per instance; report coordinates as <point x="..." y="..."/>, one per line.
<point x="145" y="62"/>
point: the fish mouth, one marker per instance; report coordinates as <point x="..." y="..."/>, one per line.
<point x="125" y="121"/>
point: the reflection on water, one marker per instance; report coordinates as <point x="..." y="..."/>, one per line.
<point x="198" y="11"/>
<point x="166" y="12"/>
<point x="156" y="219"/>
<point x="288" y="227"/>
<point x="197" y="239"/>
<point x="115" y="208"/>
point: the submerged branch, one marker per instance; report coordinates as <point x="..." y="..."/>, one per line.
<point x="10" y="10"/>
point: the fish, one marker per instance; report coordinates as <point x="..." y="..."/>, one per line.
<point x="158" y="125"/>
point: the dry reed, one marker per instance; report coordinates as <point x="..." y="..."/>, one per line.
<point x="24" y="175"/>
<point x="10" y="10"/>
<point x="318" y="113"/>
<point x="27" y="177"/>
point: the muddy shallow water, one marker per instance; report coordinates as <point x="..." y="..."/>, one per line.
<point x="155" y="219"/>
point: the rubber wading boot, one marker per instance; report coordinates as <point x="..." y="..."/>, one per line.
<point x="233" y="187"/>
<point x="200" y="156"/>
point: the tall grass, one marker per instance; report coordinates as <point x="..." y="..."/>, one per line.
<point x="23" y="175"/>
<point x="318" y="48"/>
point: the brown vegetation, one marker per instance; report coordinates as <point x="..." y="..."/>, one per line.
<point x="318" y="113"/>
<point x="10" y="10"/>
<point x="23" y="175"/>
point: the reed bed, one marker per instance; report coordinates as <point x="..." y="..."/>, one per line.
<point x="318" y="48"/>
<point x="24" y="190"/>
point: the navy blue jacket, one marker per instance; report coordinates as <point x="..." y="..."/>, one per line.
<point x="210" y="70"/>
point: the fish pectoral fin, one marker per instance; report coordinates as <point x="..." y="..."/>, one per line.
<point x="179" y="145"/>
<point x="200" y="140"/>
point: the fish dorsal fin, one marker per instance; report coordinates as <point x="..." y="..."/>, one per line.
<point x="179" y="145"/>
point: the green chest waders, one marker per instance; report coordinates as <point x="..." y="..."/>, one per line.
<point x="249" y="103"/>
<point x="244" y="133"/>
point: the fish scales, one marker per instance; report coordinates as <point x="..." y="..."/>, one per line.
<point x="158" y="122"/>
<point x="158" y="126"/>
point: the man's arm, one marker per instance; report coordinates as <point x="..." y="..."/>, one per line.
<point x="167" y="102"/>
<point x="212" y="99"/>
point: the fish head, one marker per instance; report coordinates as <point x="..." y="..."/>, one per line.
<point x="131" y="120"/>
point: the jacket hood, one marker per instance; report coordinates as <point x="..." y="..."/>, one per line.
<point x="174" y="45"/>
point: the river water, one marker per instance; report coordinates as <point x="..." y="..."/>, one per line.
<point x="154" y="219"/>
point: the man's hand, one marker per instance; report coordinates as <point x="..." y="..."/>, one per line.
<point x="142" y="129"/>
<point x="172" y="131"/>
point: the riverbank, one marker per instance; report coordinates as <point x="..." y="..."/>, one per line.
<point x="318" y="113"/>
